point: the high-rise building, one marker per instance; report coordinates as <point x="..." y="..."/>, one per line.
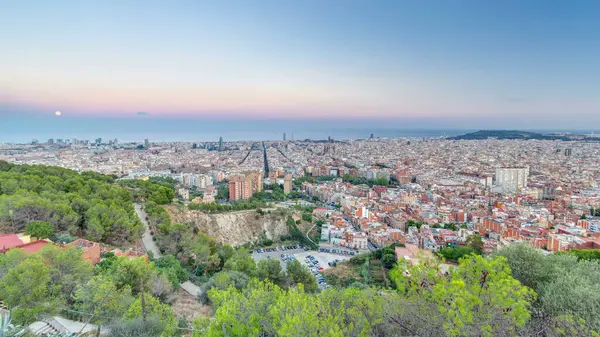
<point x="51" y="141"/>
<point x="146" y="143"/>
<point x="287" y="183"/>
<point x="220" y="143"/>
<point x="284" y="136"/>
<point x="243" y="186"/>
<point x="568" y="152"/>
<point x="512" y="179"/>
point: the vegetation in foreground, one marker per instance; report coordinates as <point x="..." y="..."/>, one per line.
<point x="478" y="298"/>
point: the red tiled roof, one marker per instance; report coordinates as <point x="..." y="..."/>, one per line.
<point x="33" y="247"/>
<point x="9" y="241"/>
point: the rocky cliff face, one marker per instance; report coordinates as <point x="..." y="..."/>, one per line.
<point x="234" y="228"/>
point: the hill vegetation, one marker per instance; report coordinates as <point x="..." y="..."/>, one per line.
<point x="508" y="134"/>
<point x="87" y="204"/>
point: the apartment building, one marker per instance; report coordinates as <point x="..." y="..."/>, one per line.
<point x="243" y="186"/>
<point x="512" y="179"/>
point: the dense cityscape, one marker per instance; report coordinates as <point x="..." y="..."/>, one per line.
<point x="299" y="168"/>
<point x="545" y="193"/>
<point x="306" y="211"/>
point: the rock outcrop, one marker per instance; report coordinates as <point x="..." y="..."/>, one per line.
<point x="234" y="228"/>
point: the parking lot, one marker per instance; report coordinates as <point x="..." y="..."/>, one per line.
<point x="276" y="255"/>
<point x="317" y="262"/>
<point x="321" y="257"/>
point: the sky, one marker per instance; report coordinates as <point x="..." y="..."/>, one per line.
<point x="418" y="64"/>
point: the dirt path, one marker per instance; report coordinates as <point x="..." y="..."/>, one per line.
<point x="151" y="246"/>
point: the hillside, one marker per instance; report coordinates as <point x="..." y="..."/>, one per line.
<point x="507" y="134"/>
<point x="234" y="228"/>
<point x="89" y="204"/>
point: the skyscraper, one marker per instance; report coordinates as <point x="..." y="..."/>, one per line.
<point x="220" y="143"/>
<point x="284" y="136"/>
<point x="568" y="152"/>
<point x="146" y="143"/>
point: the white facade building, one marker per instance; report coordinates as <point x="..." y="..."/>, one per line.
<point x="512" y="179"/>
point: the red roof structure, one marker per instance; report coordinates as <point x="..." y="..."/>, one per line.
<point x="34" y="247"/>
<point x="9" y="241"/>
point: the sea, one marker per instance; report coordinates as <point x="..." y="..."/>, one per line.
<point x="24" y="130"/>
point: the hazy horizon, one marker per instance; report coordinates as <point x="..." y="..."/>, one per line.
<point x="137" y="128"/>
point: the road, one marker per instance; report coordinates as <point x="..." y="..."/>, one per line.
<point x="247" y="154"/>
<point x="266" y="161"/>
<point x="308" y="237"/>
<point x="148" y="243"/>
<point x="150" y="246"/>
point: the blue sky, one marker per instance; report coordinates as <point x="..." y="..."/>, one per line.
<point x="518" y="64"/>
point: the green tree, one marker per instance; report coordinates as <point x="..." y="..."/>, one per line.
<point x="63" y="198"/>
<point x="455" y="254"/>
<point x="67" y="268"/>
<point x="263" y="309"/>
<point x="575" y="293"/>
<point x="479" y="298"/>
<point x="300" y="274"/>
<point x="101" y="298"/>
<point x="10" y="260"/>
<point x="25" y="289"/>
<point x="225" y="253"/>
<point x="389" y="260"/>
<point x="153" y="308"/>
<point x="169" y="266"/>
<point x="476" y="243"/>
<point x="136" y="273"/>
<point x="584" y="254"/>
<point x="151" y="327"/>
<point x="241" y="261"/>
<point x="528" y="265"/>
<point x="270" y="269"/>
<point x="39" y="229"/>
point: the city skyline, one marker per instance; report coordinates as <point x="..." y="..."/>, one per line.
<point x="439" y="64"/>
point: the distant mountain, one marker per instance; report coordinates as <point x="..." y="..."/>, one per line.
<point x="513" y="134"/>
